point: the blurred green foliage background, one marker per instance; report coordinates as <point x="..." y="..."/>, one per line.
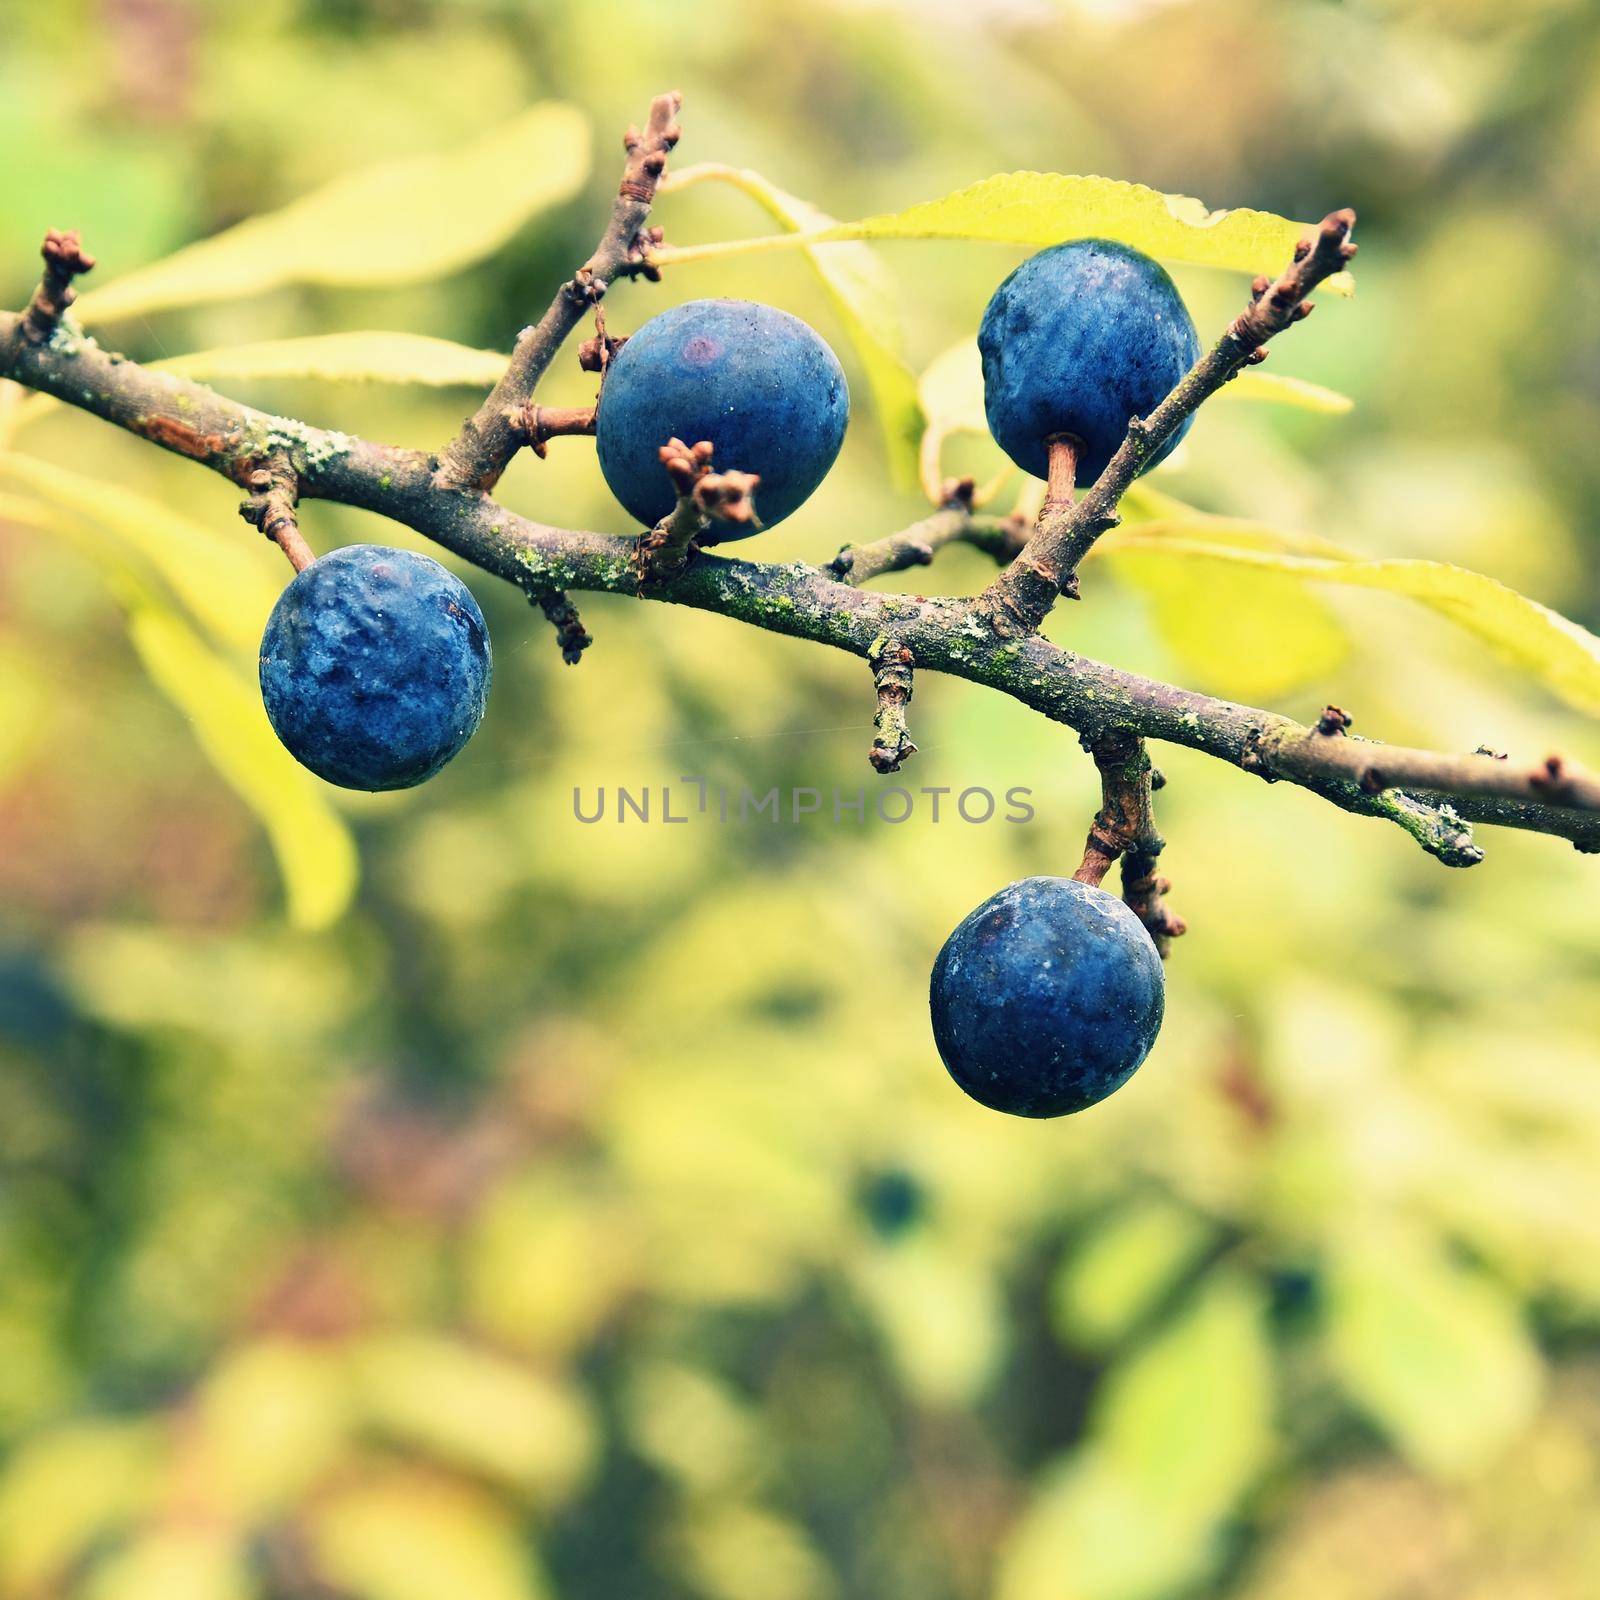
<point x="586" y="1212"/>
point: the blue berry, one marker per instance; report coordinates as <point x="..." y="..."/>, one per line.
<point x="1078" y="340"/>
<point x="1046" y="998"/>
<point x="758" y="383"/>
<point x="375" y="667"/>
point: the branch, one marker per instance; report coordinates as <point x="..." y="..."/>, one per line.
<point x="488" y="440"/>
<point x="1125" y="827"/>
<point x="1019" y="600"/>
<point x="955" y="521"/>
<point x="948" y="635"/>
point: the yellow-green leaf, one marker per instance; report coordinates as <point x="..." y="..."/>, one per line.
<point x="1278" y="388"/>
<point x="360" y="357"/>
<point x="68" y="1489"/>
<point x="315" y="852"/>
<point x="864" y="295"/>
<point x="363" y="357"/>
<point x="1433" y="1352"/>
<point x="224" y="578"/>
<point x="1247" y="632"/>
<point x="1117" y="1276"/>
<point x="399" y="1536"/>
<point x="270" y="1418"/>
<point x="475" y="1409"/>
<point x="232" y="595"/>
<point x="401" y="222"/>
<point x="1554" y="651"/>
<point x="950" y="392"/>
<point x="1043" y="208"/>
<point x="940" y="1316"/>
<point x="183" y="1561"/>
<point x="1179" y="1434"/>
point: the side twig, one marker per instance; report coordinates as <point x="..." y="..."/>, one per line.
<point x="892" y="663"/>
<point x="705" y="498"/>
<point x="1019" y="600"/>
<point x="916" y="546"/>
<point x="571" y="635"/>
<point x="64" y="260"/>
<point x="1125" y="828"/>
<point x="488" y="440"/>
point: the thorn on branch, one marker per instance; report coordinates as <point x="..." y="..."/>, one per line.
<point x="892" y="665"/>
<point x="271" y="506"/>
<point x="64" y="259"/>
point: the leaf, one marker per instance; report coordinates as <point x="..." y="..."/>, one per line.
<point x="183" y="1561"/>
<point x="1554" y="651"/>
<point x="950" y="392"/>
<point x="1434" y="1353"/>
<point x="940" y="1316"/>
<point x="69" y="1489"/>
<point x="413" y="1537"/>
<point x="272" y="1416"/>
<point x="1245" y="632"/>
<point x="691" y="1426"/>
<point x="475" y="1409"/>
<point x="1179" y="1434"/>
<point x="1122" y="1270"/>
<point x="366" y="357"/>
<point x="315" y="852"/>
<point x="732" y="1551"/>
<point x="225" y="582"/>
<point x="1190" y="1415"/>
<point x="24" y="707"/>
<point x="405" y="221"/>
<point x="1044" y="208"/>
<point x="864" y="295"/>
<point x="1279" y="388"/>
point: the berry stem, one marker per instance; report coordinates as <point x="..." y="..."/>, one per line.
<point x="1061" y="486"/>
<point x="271" y="506"/>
